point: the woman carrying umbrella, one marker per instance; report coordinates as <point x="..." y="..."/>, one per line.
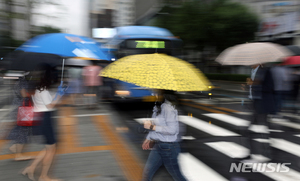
<point x="164" y="132"/>
<point x="44" y="104"/>
<point x="160" y="71"/>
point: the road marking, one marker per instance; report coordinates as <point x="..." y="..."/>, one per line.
<point x="274" y="130"/>
<point x="230" y="149"/>
<point x="286" y="146"/>
<point x="87" y="115"/>
<point x="188" y="138"/>
<point x="283" y="145"/>
<point x="261" y="140"/>
<point x="244" y="113"/>
<point x="237" y="151"/>
<point x="210" y="105"/>
<point x="234" y="150"/>
<point x="81" y="115"/>
<point x="193" y="169"/>
<point x="259" y="129"/>
<point x="68" y="141"/>
<point x="75" y="150"/>
<point x="290" y="115"/>
<point x="204" y="108"/>
<point x="228" y="119"/>
<point x="198" y="124"/>
<point x="206" y="127"/>
<point x="285" y="122"/>
<point x="291" y="175"/>
<point x="128" y="161"/>
<point x="220" y="108"/>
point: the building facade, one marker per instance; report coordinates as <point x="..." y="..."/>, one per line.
<point x="14" y="19"/>
<point x="280" y="20"/>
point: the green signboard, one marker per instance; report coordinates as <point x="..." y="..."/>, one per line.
<point x="150" y="44"/>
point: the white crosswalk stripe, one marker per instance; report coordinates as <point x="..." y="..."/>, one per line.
<point x="286" y="146"/>
<point x="200" y="125"/>
<point x="193" y="169"/>
<point x="230" y="149"/>
<point x="285" y="122"/>
<point x="228" y="119"/>
<point x="237" y="151"/>
<point x="206" y="127"/>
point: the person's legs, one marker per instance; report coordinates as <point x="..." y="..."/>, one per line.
<point x="92" y="96"/>
<point x="278" y="100"/>
<point x="22" y="138"/>
<point x="252" y="129"/>
<point x="49" y="133"/>
<point x="47" y="161"/>
<point x="13" y="148"/>
<point x="29" y="171"/>
<point x="19" y="156"/>
<point x="153" y="163"/>
<point x="17" y="150"/>
<point x="169" y="153"/>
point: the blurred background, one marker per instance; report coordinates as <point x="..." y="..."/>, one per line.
<point x="206" y="28"/>
<point x="103" y="142"/>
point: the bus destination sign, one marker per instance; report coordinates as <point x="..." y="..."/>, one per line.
<point x="149" y="44"/>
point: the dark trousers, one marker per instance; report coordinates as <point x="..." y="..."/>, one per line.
<point x="259" y="118"/>
<point x="279" y="99"/>
<point x="163" y="154"/>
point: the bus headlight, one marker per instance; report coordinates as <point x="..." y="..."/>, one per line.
<point x="122" y="93"/>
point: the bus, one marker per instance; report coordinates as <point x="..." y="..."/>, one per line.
<point x="131" y="40"/>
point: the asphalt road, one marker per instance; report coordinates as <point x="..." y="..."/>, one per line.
<point x="215" y="137"/>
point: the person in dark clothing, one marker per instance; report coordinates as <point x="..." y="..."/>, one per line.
<point x="262" y="96"/>
<point x="295" y="88"/>
<point x="20" y="134"/>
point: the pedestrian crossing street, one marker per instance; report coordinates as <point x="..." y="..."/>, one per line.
<point x="286" y="141"/>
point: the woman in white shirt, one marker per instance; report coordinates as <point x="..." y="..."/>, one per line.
<point x="44" y="105"/>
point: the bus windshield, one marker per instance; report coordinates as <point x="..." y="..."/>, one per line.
<point x="131" y="40"/>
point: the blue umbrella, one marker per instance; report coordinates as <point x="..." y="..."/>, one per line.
<point x="65" y="45"/>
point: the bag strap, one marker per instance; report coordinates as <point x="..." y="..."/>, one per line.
<point x="29" y="102"/>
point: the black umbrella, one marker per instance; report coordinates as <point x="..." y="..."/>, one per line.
<point x="28" y="61"/>
<point x="294" y="49"/>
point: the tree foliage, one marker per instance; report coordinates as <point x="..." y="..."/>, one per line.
<point x="218" y="23"/>
<point x="39" y="30"/>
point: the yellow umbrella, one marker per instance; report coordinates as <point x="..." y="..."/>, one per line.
<point x="158" y="71"/>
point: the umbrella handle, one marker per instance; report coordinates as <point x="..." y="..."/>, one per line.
<point x="62" y="72"/>
<point x="61" y="79"/>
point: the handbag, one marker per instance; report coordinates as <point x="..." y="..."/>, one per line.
<point x="26" y="116"/>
